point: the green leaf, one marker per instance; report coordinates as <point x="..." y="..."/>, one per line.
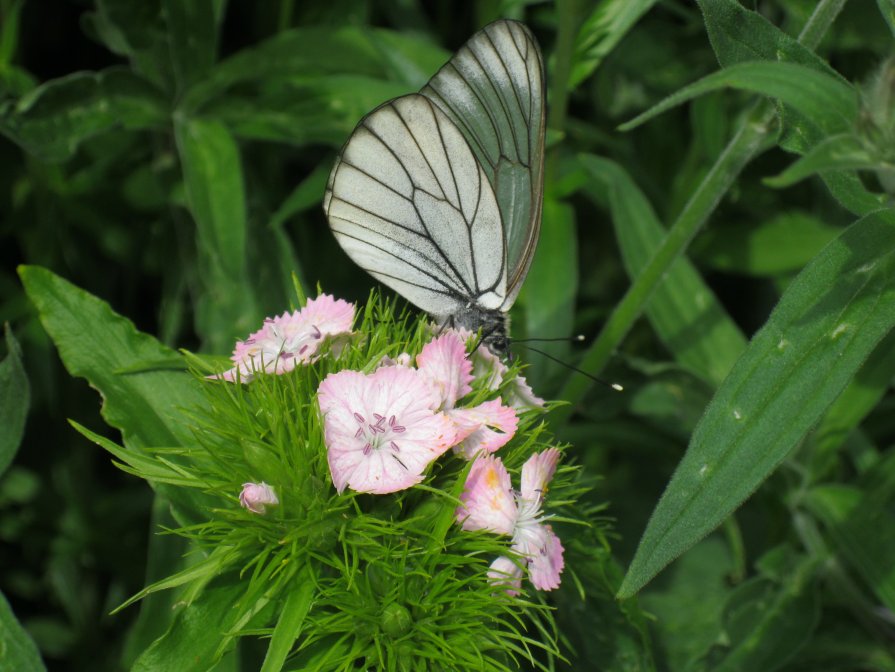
<point x="318" y="51"/>
<point x="861" y="396"/>
<point x="54" y="119"/>
<point x="683" y="310"/>
<point x="192" y="27"/>
<point x="97" y="344"/>
<point x="551" y="287"/>
<point x="17" y="650"/>
<point x="168" y="555"/>
<point x="783" y="243"/>
<point x="887" y="9"/>
<point x="198" y="628"/>
<point x="739" y="35"/>
<point x="15" y="396"/>
<point x="796" y="365"/>
<point x="826" y="101"/>
<point x="768" y="622"/>
<point x="854" y="519"/>
<point x="600" y="32"/>
<point x="838" y="152"/>
<point x="288" y="627"/>
<point x="212" y="172"/>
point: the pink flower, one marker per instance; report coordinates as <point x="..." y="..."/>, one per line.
<point x="380" y="429"/>
<point x="257" y="496"/>
<point x="291" y="338"/>
<point x="484" y="428"/>
<point x="489" y="503"/>
<point x="444" y="363"/>
<point x="518" y="393"/>
<point x="481" y="429"/>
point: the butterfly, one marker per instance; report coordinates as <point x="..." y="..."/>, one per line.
<point x="437" y="194"/>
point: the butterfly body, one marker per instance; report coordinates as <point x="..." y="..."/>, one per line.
<point x="438" y="194"/>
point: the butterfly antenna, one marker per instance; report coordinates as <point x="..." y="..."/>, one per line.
<point x="615" y="386"/>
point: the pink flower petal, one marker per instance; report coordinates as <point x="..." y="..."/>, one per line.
<point x="486" y="365"/>
<point x="546" y="562"/>
<point x="379" y="429"/>
<point x="488" y="501"/>
<point x="484" y="428"/>
<point x="537" y="472"/>
<point x="507" y="574"/>
<point x="520" y="396"/>
<point x="444" y="362"/>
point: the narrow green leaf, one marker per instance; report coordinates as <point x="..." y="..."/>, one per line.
<point x="289" y="625"/>
<point x="783" y="243"/>
<point x="15" y="398"/>
<point x="54" y="119"/>
<point x="837" y="152"/>
<point x="551" y="288"/>
<point x="96" y="343"/>
<point x="193" y="38"/>
<point x="683" y="310"/>
<point x="600" y="32"/>
<point x="824" y="100"/>
<point x="796" y="365"/>
<point x="17" y="650"/>
<point x="212" y="172"/>
<point x="9" y="32"/>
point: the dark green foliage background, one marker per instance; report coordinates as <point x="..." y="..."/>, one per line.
<point x="170" y="158"/>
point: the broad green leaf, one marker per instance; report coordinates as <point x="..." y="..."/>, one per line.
<point x="784" y="243"/>
<point x="97" y="344"/>
<point x="15" y="395"/>
<point x="826" y="101"/>
<point x="168" y="555"/>
<point x="192" y="27"/>
<point x="17" y="650"/>
<point x="838" y="152"/>
<point x="289" y="625"/>
<point x="604" y="28"/>
<point x="212" y="171"/>
<point x="54" y="119"/>
<point x="551" y="288"/>
<point x="768" y="622"/>
<point x="796" y="365"/>
<point x="855" y="518"/>
<point x="190" y="644"/>
<point x="683" y="310"/>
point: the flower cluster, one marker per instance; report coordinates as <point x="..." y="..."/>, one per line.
<point x="291" y="338"/>
<point x="490" y="503"/>
<point x="383" y="429"/>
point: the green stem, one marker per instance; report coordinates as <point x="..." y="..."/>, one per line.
<point x="565" y="46"/>
<point x="751" y="139"/>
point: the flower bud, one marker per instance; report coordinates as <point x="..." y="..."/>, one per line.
<point x="256" y="496"/>
<point x="396" y="620"/>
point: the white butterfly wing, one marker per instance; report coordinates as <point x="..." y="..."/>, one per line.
<point x="493" y="90"/>
<point x="411" y="205"/>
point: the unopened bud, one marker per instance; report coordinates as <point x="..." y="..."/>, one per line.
<point x="256" y="496"/>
